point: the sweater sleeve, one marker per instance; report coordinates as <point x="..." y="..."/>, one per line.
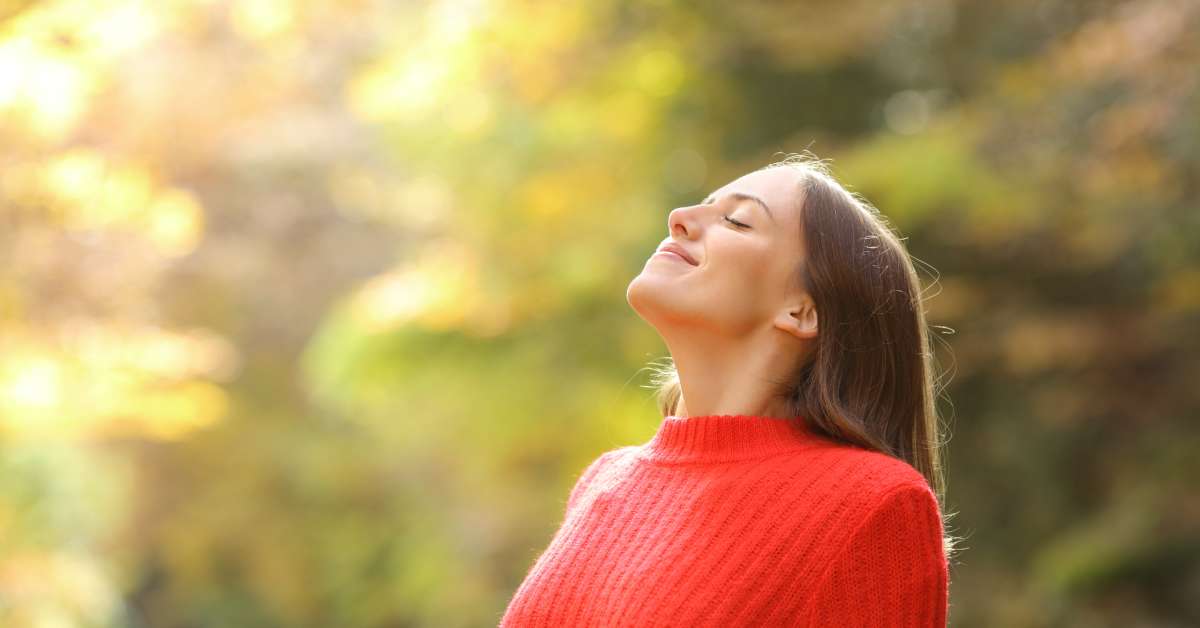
<point x="892" y="572"/>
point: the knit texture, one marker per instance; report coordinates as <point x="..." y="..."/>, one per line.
<point x="738" y="520"/>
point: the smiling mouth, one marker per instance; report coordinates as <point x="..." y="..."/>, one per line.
<point x="678" y="251"/>
<point x="672" y="254"/>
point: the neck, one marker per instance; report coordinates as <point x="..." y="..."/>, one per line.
<point x="731" y="376"/>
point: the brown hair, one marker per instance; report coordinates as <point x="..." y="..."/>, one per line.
<point x="870" y="379"/>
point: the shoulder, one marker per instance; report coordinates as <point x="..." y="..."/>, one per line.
<point x="879" y="475"/>
<point x="885" y="555"/>
<point x="863" y="469"/>
<point x="610" y="458"/>
<point x="846" y="484"/>
<point x="603" y="466"/>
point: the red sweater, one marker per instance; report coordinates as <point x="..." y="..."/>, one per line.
<point x="736" y="520"/>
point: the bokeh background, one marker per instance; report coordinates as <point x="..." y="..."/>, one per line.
<point x="312" y="312"/>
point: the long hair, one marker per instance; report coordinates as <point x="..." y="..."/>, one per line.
<point x="870" y="381"/>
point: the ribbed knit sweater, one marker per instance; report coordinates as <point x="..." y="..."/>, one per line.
<point x="738" y="520"/>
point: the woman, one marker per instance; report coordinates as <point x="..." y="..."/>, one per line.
<point x="795" y="478"/>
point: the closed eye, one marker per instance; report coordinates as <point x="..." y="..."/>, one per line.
<point x="740" y="224"/>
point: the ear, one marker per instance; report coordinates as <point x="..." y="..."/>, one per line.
<point x="799" y="318"/>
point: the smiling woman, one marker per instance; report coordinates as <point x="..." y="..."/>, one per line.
<point x="795" y="478"/>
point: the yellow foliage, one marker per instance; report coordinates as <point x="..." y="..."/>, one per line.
<point x="56" y="588"/>
<point x="174" y="222"/>
<point x="262" y="19"/>
<point x="437" y="291"/>
<point x="96" y="381"/>
<point x="172" y="412"/>
<point x="89" y="192"/>
<point x="43" y="86"/>
<point x="422" y="75"/>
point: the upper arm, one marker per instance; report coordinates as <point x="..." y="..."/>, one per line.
<point x="893" y="569"/>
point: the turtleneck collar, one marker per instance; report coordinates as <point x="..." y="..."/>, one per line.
<point x="725" y="438"/>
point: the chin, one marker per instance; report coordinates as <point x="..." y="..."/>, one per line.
<point x="635" y="292"/>
<point x="642" y="295"/>
<point x="652" y="299"/>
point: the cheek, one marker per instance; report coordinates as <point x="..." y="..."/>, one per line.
<point x="745" y="257"/>
<point x="742" y="269"/>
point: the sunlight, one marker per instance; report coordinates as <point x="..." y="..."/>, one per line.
<point x="36" y="385"/>
<point x="411" y="80"/>
<point x="175" y="222"/>
<point x="44" y="86"/>
<point x="437" y="291"/>
<point x="262" y="19"/>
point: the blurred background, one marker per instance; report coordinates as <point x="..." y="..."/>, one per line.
<point x="312" y="312"/>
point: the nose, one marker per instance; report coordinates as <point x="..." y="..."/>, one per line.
<point x="681" y="221"/>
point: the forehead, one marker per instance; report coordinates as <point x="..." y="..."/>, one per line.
<point x="778" y="186"/>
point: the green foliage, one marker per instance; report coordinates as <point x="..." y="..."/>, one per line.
<point x="311" y="313"/>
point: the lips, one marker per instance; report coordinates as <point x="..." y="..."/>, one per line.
<point x="671" y="247"/>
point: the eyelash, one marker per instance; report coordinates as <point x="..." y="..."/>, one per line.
<point x="736" y="223"/>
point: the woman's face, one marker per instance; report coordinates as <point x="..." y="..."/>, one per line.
<point x="745" y="240"/>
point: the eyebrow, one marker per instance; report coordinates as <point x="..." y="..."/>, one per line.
<point x="742" y="196"/>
